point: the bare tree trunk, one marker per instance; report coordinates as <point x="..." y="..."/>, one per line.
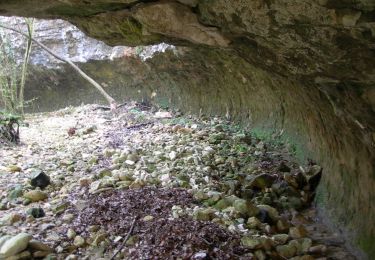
<point x="29" y="24"/>
<point x="111" y="101"/>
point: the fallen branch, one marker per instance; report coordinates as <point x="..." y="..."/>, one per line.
<point x="111" y="101"/>
<point x="105" y="108"/>
<point x="140" y="125"/>
<point x="126" y="238"/>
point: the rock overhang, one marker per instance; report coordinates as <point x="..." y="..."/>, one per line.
<point x="307" y="67"/>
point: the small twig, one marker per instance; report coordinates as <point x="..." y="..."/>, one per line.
<point x="208" y="243"/>
<point x="106" y="108"/>
<point x="139" y="125"/>
<point x="126" y="238"/>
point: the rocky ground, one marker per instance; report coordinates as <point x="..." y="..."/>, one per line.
<point x="145" y="184"/>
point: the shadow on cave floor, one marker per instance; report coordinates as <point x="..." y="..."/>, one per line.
<point x="173" y="186"/>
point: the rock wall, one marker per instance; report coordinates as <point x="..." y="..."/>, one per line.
<point x="61" y="37"/>
<point x="305" y="67"/>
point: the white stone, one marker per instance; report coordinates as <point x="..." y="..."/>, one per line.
<point x="15" y="245"/>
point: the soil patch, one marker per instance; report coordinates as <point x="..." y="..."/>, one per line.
<point x="163" y="237"/>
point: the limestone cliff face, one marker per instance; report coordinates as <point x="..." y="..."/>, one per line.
<point x="307" y="67"/>
<point x="60" y="36"/>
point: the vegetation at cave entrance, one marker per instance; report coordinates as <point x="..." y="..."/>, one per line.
<point x="12" y="85"/>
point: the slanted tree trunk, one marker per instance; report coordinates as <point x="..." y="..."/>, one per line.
<point x="111" y="101"/>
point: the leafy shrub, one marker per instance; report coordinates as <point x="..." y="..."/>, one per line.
<point x="9" y="127"/>
<point x="13" y="74"/>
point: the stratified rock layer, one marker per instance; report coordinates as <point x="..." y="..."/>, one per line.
<point x="305" y="67"/>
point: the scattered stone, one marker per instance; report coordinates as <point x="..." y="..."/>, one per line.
<point x="89" y="130"/>
<point x="283" y="167"/>
<point x="68" y="218"/>
<point x="204" y="214"/>
<point x="163" y="115"/>
<point x="39" y="246"/>
<point x="10" y="219"/>
<point x="3" y="239"/>
<point x="14" y="168"/>
<point x="148" y="218"/>
<point x="246" y="208"/>
<point x="126" y="176"/>
<point x="41" y="254"/>
<point x="96" y="185"/>
<point x="15" y="245"/>
<point x="297" y="245"/>
<point x="260" y="255"/>
<point x="35" y="195"/>
<point x="200" y="195"/>
<point x="93" y="160"/>
<point x="71" y="257"/>
<point x="99" y="238"/>
<point x="251" y="243"/>
<point x="253" y="223"/>
<point x="36" y="212"/>
<point x="172" y="155"/>
<point x="105" y="172"/>
<point x="272" y="212"/>
<point x="23" y="255"/>
<point x="26" y="202"/>
<point x="71" y="234"/>
<point x="3" y="206"/>
<point x="297" y="232"/>
<point x="282" y="226"/>
<point x="318" y="249"/>
<point x="133" y="158"/>
<point x="15" y="193"/>
<point x="261" y="181"/>
<point x="60" y="207"/>
<point x="93" y="228"/>
<point x="79" y="241"/>
<point x="306" y="243"/>
<point x="200" y="255"/>
<point x="280" y="238"/>
<point x="39" y="179"/>
<point x="225" y="202"/>
<point x="286" y="251"/>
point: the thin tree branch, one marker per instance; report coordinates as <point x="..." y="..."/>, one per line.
<point x="126" y="238"/>
<point x="110" y="100"/>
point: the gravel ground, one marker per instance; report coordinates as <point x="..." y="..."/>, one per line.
<point x="197" y="189"/>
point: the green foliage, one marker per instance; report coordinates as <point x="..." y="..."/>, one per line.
<point x="9" y="127"/>
<point x="12" y="74"/>
<point x="132" y="30"/>
<point x="6" y="118"/>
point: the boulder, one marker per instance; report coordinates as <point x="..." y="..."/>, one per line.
<point x="15" y="245"/>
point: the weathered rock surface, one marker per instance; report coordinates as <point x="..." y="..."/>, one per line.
<point x="306" y="67"/>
